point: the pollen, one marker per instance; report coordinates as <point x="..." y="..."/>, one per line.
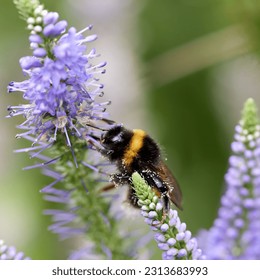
<point x="134" y="147"/>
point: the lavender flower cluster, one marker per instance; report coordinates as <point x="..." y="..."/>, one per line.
<point x="61" y="87"/>
<point x="235" y="233"/>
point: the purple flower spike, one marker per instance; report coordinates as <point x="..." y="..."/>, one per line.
<point x="235" y="233"/>
<point x="10" y="253"/>
<point x="62" y="85"/>
<point x="60" y="92"/>
<point x="171" y="235"/>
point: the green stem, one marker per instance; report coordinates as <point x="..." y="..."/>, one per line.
<point x="93" y="209"/>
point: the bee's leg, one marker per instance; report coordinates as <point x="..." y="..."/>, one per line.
<point x="114" y="181"/>
<point x="132" y="198"/>
<point x="159" y="188"/>
<point x="98" y="147"/>
<point x="123" y="179"/>
<point x="108" y="121"/>
<point x="93" y="125"/>
<point x="94" y="142"/>
<point x="166" y="202"/>
<point x="108" y="187"/>
<point x="119" y="179"/>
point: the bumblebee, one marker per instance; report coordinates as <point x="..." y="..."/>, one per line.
<point x="134" y="150"/>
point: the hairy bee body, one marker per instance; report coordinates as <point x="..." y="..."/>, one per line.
<point x="134" y="150"/>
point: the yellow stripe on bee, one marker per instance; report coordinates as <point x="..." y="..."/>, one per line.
<point x="136" y="143"/>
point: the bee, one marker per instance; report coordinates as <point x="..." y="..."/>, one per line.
<point x="135" y="151"/>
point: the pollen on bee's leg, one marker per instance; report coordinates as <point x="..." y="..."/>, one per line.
<point x="119" y="179"/>
<point x="164" y="215"/>
<point x="157" y="192"/>
<point x="162" y="220"/>
<point x="108" y="187"/>
<point x="164" y="207"/>
<point x="160" y="208"/>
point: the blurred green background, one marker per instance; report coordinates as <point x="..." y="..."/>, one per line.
<point x="179" y="69"/>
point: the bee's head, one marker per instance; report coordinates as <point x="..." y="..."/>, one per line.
<point x="113" y="136"/>
<point x="115" y="141"/>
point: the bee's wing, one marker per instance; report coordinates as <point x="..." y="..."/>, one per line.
<point x="174" y="193"/>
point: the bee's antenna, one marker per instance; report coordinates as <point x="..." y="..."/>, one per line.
<point x="110" y="122"/>
<point x="97" y="127"/>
